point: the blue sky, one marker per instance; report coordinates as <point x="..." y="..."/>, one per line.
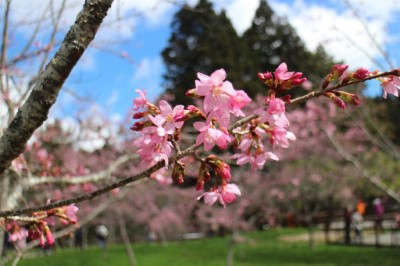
<point x="110" y="81"/>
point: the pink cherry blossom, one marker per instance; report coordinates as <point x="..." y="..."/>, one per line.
<point x="209" y="197"/>
<point x="256" y="161"/>
<point x="229" y="193"/>
<point x="19" y="234"/>
<point x="216" y="91"/>
<point x="281" y="73"/>
<point x="223" y="118"/>
<point x="238" y="102"/>
<point x="211" y="136"/>
<point x="226" y="194"/>
<point x="272" y="117"/>
<point x="281" y="137"/>
<point x="70" y="211"/>
<point x="390" y="85"/>
<point x="169" y="119"/>
<point x="152" y="147"/>
<point x="276" y="107"/>
<point x="141" y="101"/>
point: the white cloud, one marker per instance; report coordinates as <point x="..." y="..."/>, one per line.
<point x="121" y="21"/>
<point x="240" y="12"/>
<point x="330" y="23"/>
<point x="338" y="30"/>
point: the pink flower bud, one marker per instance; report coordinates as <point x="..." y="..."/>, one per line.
<point x="265" y="76"/>
<point x="335" y="99"/>
<point x="49" y="235"/>
<point x="349" y="97"/>
<point x="338" y="70"/>
<point x="361" y="73"/>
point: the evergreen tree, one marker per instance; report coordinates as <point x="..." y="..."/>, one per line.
<point x="272" y="40"/>
<point x="201" y="41"/>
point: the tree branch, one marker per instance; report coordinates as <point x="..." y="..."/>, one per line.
<point x="364" y="172"/>
<point x="394" y="72"/>
<point x="95" y="177"/>
<point x="189" y="151"/>
<point x="89" y="196"/>
<point x="35" y="110"/>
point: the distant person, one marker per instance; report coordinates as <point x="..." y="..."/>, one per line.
<point x="379" y="211"/>
<point x="347" y="224"/>
<point x="102" y="234"/>
<point x="357" y="221"/>
<point x="78" y="238"/>
<point x="361" y="206"/>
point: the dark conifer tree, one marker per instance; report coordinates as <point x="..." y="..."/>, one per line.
<point x="272" y="40"/>
<point x="201" y="41"/>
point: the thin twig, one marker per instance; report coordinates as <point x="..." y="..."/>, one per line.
<point x="95" y="177"/>
<point x="370" y="35"/>
<point x="364" y="172"/>
<point x="313" y="94"/>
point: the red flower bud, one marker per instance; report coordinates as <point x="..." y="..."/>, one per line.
<point x="361" y="73"/>
<point x="200" y="185"/>
<point x="178" y="173"/>
<point x="338" y="70"/>
<point x="139" y="115"/>
<point x="335" y="99"/>
<point x="265" y="76"/>
<point x="349" y="97"/>
<point x="137" y="126"/>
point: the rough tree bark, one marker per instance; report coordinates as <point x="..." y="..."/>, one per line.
<point x="34" y="111"/>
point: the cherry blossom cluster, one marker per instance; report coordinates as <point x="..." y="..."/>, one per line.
<point x="39" y="224"/>
<point x="159" y="127"/>
<point x="15" y="232"/>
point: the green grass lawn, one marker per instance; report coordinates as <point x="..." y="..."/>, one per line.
<point x="257" y="248"/>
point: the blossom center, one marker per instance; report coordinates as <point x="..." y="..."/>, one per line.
<point x="217" y="91"/>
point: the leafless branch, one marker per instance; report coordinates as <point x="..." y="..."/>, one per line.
<point x="361" y="169"/>
<point x="370" y="35"/>
<point x="95" y="177"/>
<point x="35" y="110"/>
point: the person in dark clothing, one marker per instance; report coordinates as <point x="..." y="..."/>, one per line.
<point x="347" y="224"/>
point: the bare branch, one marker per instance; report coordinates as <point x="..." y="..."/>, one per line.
<point x="370" y="36"/>
<point x="95" y="177"/>
<point x="53" y="35"/>
<point x="364" y="172"/>
<point x="4" y="44"/>
<point x="33" y="36"/>
<point x="3" y="59"/>
<point x="313" y="94"/>
<point x="35" y="110"/>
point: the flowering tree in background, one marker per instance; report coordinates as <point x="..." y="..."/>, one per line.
<point x="230" y="128"/>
